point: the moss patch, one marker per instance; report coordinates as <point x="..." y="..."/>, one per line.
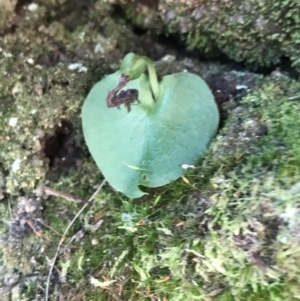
<point x="233" y="236"/>
<point x="260" y="34"/>
<point x="228" y="231"/>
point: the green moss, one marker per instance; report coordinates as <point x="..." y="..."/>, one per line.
<point x="232" y="234"/>
<point x="260" y="34"/>
<point x="231" y="237"/>
<point x="39" y="91"/>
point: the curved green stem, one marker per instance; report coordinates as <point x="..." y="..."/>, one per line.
<point x="152" y="78"/>
<point x="135" y="65"/>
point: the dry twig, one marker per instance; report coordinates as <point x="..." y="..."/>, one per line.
<point x="66" y="196"/>
<point x="65" y="233"/>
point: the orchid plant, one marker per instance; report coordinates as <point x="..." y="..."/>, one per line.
<point x="141" y="131"/>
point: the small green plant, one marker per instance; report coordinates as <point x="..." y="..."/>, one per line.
<point x="161" y="126"/>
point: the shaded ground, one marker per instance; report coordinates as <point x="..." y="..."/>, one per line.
<point x="228" y="232"/>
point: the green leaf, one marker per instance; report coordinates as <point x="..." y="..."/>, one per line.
<point x="148" y="145"/>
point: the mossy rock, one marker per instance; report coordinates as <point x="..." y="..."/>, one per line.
<point x="259" y="33"/>
<point x="230" y="234"/>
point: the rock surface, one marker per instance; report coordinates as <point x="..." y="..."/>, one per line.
<point x="259" y="33"/>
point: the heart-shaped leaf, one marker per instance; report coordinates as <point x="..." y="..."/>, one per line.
<point x="148" y="145"/>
